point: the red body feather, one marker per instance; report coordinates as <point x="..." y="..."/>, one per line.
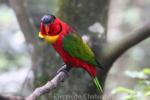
<point x="72" y="61"/>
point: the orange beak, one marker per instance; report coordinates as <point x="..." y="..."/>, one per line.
<point x="46" y="29"/>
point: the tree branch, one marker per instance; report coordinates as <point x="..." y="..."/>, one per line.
<point x="50" y="85"/>
<point x="113" y="51"/>
<point x="61" y="75"/>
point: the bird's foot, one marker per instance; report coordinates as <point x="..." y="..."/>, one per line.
<point x="64" y="68"/>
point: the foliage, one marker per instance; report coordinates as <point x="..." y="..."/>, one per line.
<point x="143" y="90"/>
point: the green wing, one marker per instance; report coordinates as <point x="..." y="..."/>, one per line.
<point x="74" y="45"/>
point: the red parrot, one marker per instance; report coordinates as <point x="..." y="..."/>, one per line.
<point x="69" y="45"/>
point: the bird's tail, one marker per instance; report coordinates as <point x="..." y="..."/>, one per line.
<point x="98" y="86"/>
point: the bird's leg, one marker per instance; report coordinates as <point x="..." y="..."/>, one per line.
<point x="65" y="68"/>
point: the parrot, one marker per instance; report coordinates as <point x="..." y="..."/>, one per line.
<point x="69" y="45"/>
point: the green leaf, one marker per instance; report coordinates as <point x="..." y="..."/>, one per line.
<point x="147" y="93"/>
<point x="146" y="71"/>
<point x="130" y="97"/>
<point x="136" y="74"/>
<point x="123" y="90"/>
<point x="147" y="88"/>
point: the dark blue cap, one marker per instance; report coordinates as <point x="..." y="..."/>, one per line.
<point x="47" y="19"/>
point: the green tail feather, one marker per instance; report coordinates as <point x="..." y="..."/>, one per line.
<point x="98" y="84"/>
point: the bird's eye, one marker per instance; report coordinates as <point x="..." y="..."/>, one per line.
<point x="48" y="19"/>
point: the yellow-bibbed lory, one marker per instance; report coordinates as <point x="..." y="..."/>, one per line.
<point x="70" y="46"/>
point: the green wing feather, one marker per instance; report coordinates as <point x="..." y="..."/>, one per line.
<point x="75" y="46"/>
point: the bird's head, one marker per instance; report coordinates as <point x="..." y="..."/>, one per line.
<point x="49" y="28"/>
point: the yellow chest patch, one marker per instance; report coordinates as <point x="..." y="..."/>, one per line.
<point x="50" y="39"/>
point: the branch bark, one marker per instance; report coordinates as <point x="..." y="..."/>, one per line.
<point x="50" y="85"/>
<point x="61" y="75"/>
<point x="112" y="51"/>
